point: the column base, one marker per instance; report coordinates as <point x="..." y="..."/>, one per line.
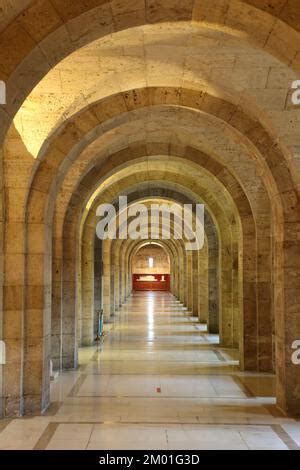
<point x="34" y="406"/>
<point x="291" y="409"/>
<point x="11" y="407"/>
<point x="214" y="331"/>
<point x="87" y="342"/>
<point x="69" y="363"/>
<point x="14" y="407"/>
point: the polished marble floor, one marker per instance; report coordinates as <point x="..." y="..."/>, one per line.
<point x="158" y="381"/>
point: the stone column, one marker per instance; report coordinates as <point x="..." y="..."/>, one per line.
<point x="213" y="291"/>
<point x="287" y="319"/>
<point x="12" y="333"/>
<point x="106" y="279"/>
<point x="172" y="278"/>
<point x="266" y="356"/>
<point x="117" y="285"/>
<point x="112" y="283"/>
<point x="236" y="289"/>
<point x="190" y="281"/>
<point x="128" y="276"/>
<point x="195" y="286"/>
<point x="12" y="262"/>
<point x="203" y="282"/>
<point x="87" y="273"/>
<point x="71" y="272"/>
<point x="184" y="279"/>
<point x="176" y="275"/>
<point x="213" y="286"/>
<point x="123" y="272"/>
<point x="56" y="305"/>
<point x="97" y="281"/>
<point x="37" y="344"/>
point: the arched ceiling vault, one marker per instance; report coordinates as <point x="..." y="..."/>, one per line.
<point x="188" y="40"/>
<point x="144" y="188"/>
<point x="165" y="132"/>
<point x="138" y="246"/>
<point x="174" y="250"/>
<point x="184" y="55"/>
<point x="271" y="154"/>
<point x="164" y="195"/>
<point x="171" y="195"/>
<point x="192" y="162"/>
<point x="178" y="244"/>
<point x="226" y="221"/>
<point x="39" y="25"/>
<point x="172" y="247"/>
<point x="174" y="224"/>
<point x="158" y="172"/>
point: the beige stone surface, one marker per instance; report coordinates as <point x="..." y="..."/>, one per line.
<point x="161" y="101"/>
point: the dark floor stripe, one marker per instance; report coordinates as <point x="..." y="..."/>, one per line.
<point x="53" y="408"/>
<point x="75" y="389"/>
<point x="285" y="437"/>
<point x="46" y="436"/>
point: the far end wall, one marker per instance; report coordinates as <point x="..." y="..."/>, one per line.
<point x="140" y="262"/>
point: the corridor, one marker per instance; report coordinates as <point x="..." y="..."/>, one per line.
<point x="158" y="381"/>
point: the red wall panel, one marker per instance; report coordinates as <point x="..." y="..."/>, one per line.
<point x="158" y="284"/>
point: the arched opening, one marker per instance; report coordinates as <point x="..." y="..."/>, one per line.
<point x="150" y="269"/>
<point x="161" y="102"/>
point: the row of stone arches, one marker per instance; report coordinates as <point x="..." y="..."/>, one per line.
<point x="93" y="155"/>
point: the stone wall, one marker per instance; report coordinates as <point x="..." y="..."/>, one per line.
<point x="140" y="262"/>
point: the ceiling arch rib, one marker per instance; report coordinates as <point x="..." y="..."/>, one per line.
<point x="257" y="144"/>
<point x="186" y="148"/>
<point x="171" y="56"/>
<point x="73" y="28"/>
<point x="168" y="218"/>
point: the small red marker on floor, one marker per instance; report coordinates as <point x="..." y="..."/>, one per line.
<point x="158" y="389"/>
